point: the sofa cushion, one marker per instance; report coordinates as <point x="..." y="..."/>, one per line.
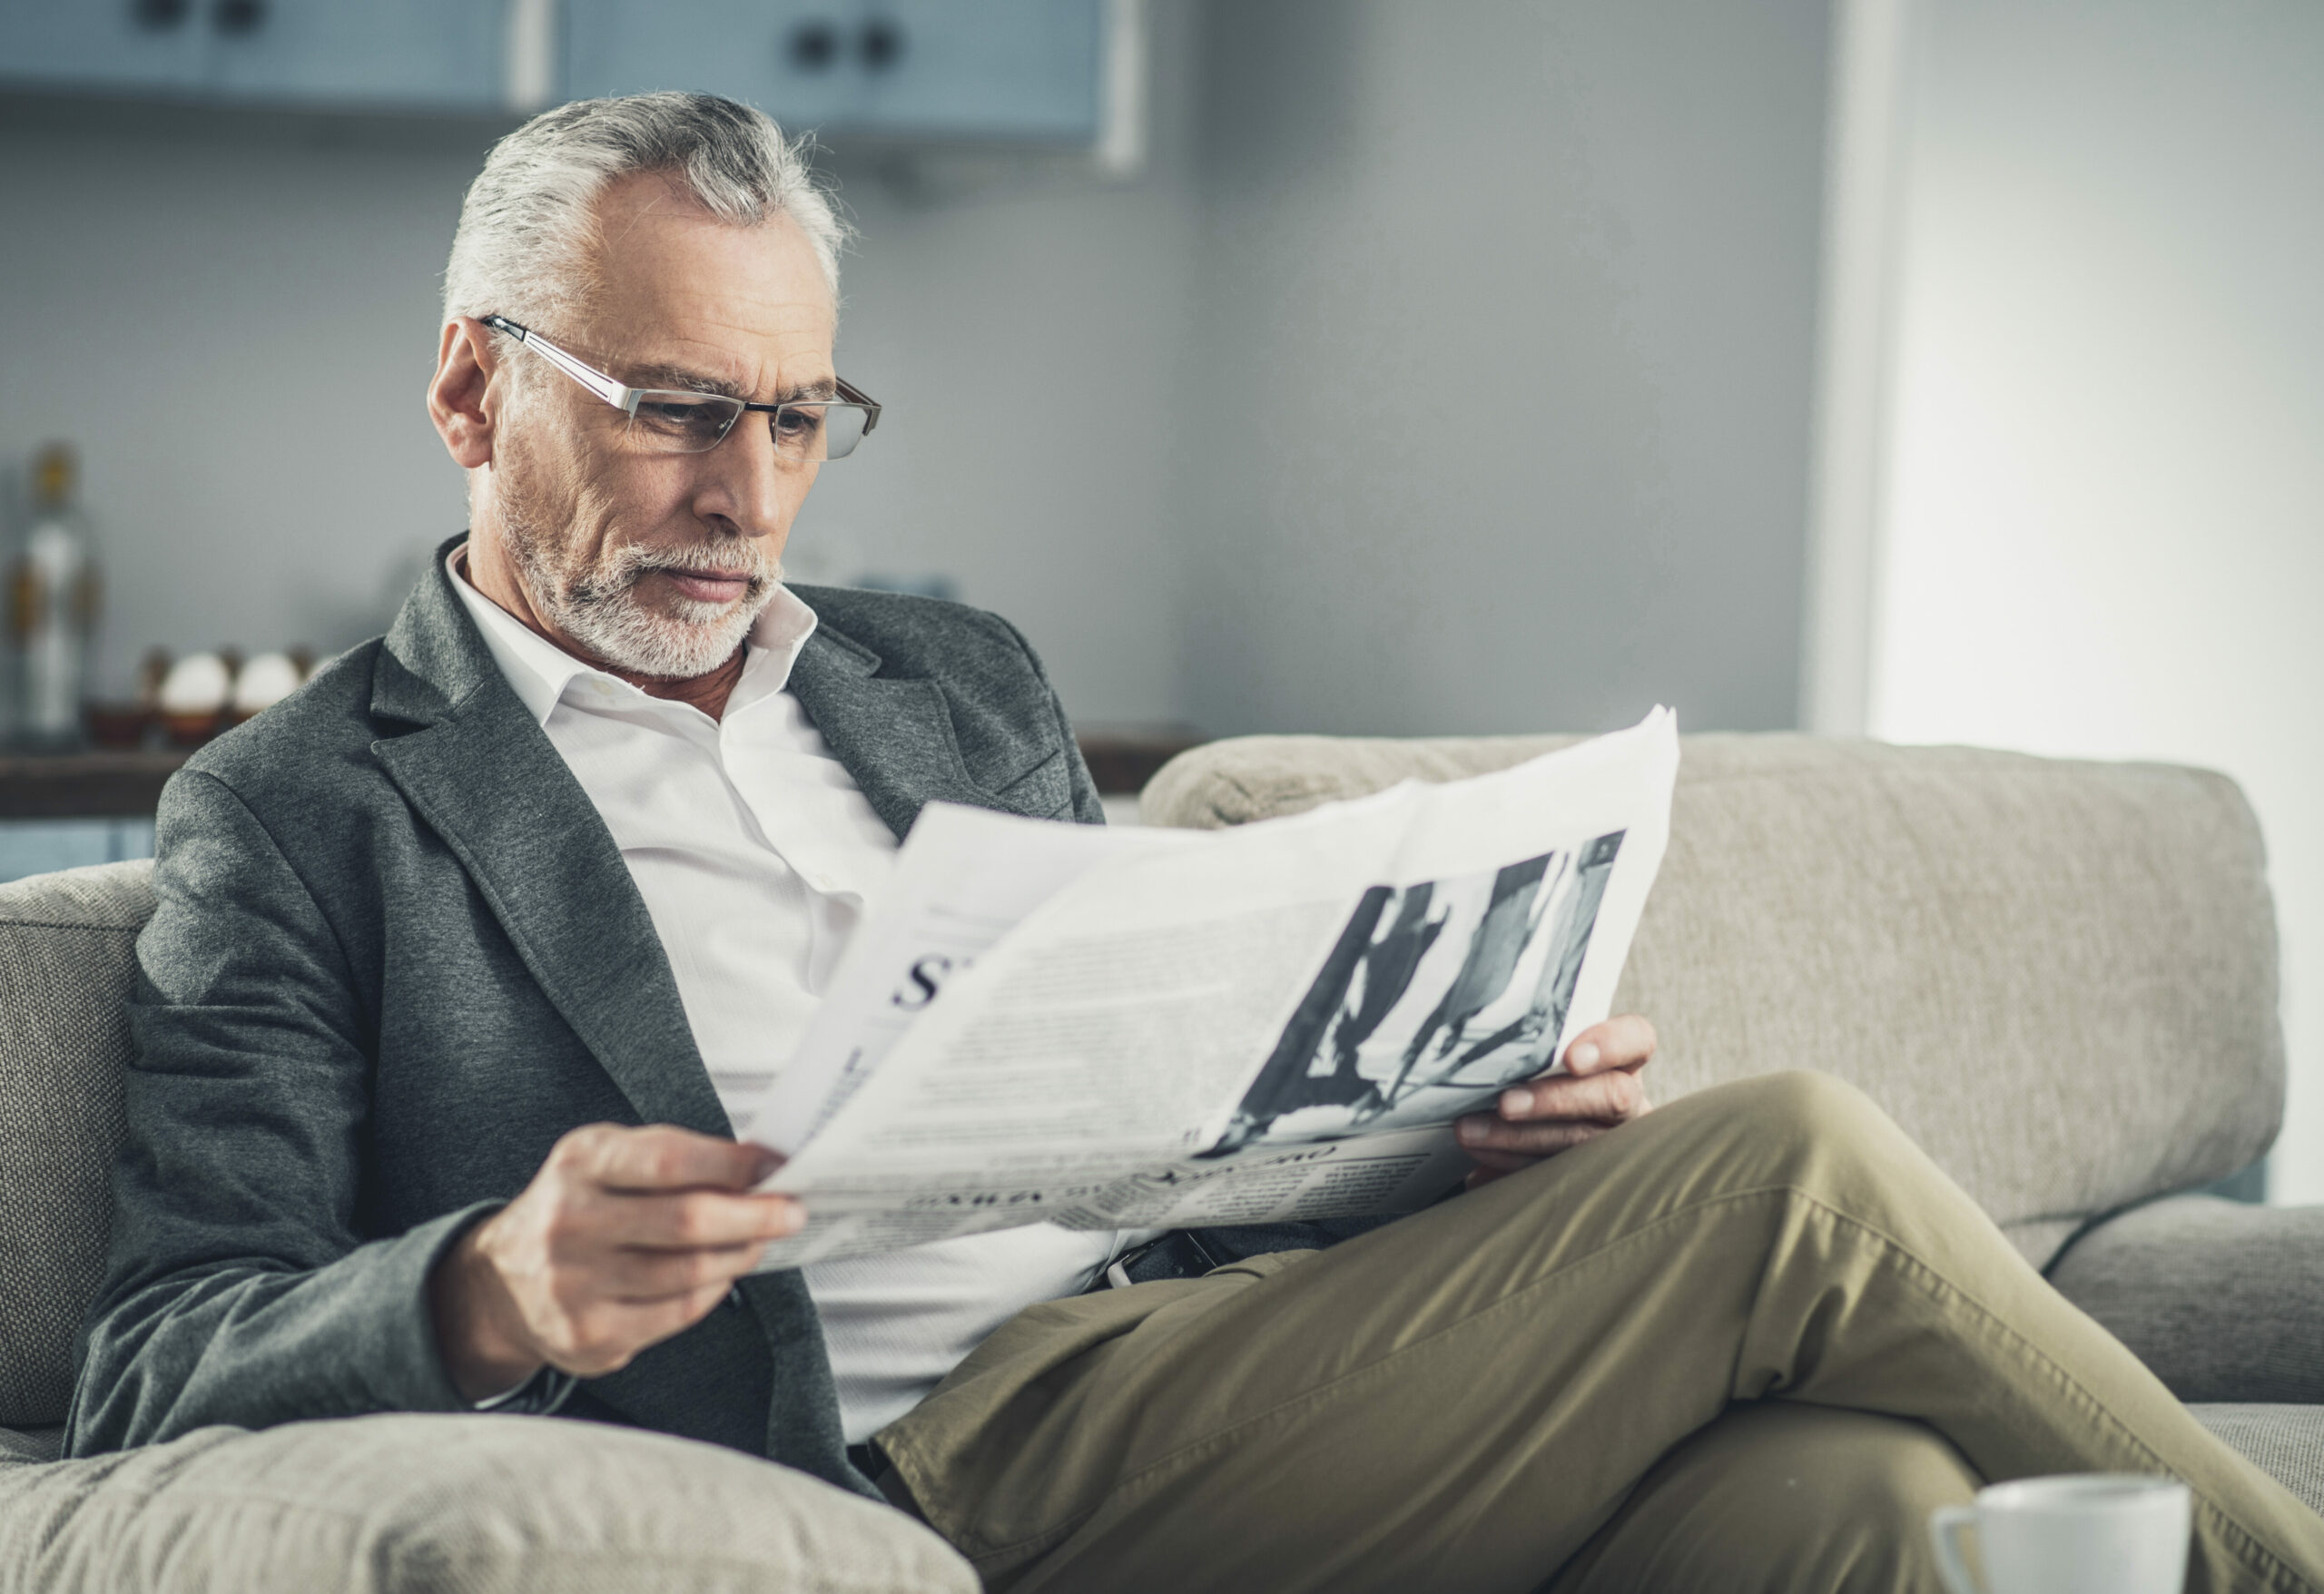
<point x="65" y="964"/>
<point x="452" y="1505"/>
<point x="2287" y="1443"/>
<point x="2059" y="976"/>
<point x="2224" y="1301"/>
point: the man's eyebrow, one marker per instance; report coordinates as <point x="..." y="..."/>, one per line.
<point x="694" y="381"/>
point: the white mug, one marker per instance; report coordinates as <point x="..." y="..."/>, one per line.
<point x="2084" y="1534"/>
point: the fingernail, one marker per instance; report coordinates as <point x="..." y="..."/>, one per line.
<point x="1471" y="1131"/>
<point x="1514" y="1102"/>
<point x="1584" y="1056"/>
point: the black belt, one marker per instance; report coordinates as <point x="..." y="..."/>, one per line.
<point x="1176" y="1254"/>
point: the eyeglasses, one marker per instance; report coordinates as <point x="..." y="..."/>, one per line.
<point x="677" y="420"/>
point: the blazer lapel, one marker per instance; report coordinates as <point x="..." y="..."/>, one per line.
<point x="486" y="778"/>
<point x="895" y="736"/>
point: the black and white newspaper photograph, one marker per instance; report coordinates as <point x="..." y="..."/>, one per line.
<point x="1435" y="995"/>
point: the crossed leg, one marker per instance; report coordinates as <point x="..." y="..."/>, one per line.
<point x="1467" y="1400"/>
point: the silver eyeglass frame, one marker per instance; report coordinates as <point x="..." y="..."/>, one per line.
<point x="627" y="398"/>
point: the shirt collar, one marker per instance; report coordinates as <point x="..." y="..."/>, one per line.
<point x="539" y="671"/>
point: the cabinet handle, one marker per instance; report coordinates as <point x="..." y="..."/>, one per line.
<point x="881" y="44"/>
<point x="814" y="46"/>
<point x="237" y="18"/>
<point x="158" y="16"/>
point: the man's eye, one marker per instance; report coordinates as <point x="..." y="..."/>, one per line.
<point x="686" y="415"/>
<point x="792" y="421"/>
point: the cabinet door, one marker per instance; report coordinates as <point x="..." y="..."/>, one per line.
<point x="793" y="59"/>
<point x="116" y="44"/>
<point x="1000" y="69"/>
<point x="410" y="54"/>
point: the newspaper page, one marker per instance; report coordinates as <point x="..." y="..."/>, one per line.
<point x="1158" y="1028"/>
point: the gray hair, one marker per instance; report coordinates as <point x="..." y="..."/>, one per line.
<point x="529" y="222"/>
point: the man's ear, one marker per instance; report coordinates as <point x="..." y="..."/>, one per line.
<point x="460" y="399"/>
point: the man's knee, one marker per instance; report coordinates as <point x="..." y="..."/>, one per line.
<point x="1807" y="1132"/>
<point x="1800" y="1099"/>
<point x="1810" y="1117"/>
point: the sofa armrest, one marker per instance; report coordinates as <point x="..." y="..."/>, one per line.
<point x="29" y="1446"/>
<point x="404" y="1504"/>
<point x="2221" y="1299"/>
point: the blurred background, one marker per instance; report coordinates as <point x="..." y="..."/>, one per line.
<point x="1934" y="370"/>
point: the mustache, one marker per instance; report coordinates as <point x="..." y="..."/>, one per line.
<point x="632" y="564"/>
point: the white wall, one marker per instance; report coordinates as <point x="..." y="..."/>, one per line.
<point x="2105" y="521"/>
<point x="1502" y="413"/>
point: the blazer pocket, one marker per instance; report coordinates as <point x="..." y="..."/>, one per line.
<point x="1042" y="790"/>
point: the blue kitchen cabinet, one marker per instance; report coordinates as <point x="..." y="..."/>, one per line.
<point x="926" y="71"/>
<point x="1004" y="69"/>
<point x="151" y="47"/>
<point x="405" y="54"/>
<point x="794" y="59"/>
<point x="1008" y="69"/>
<point x="391" y="54"/>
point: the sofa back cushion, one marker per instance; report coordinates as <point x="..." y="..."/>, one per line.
<point x="66" y="958"/>
<point x="2059" y="976"/>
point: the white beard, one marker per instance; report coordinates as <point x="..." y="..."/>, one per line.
<point x="597" y="606"/>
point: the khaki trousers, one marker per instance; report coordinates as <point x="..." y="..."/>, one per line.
<point x="1747" y="1341"/>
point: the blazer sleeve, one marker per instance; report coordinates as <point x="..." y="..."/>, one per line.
<point x="237" y="1289"/>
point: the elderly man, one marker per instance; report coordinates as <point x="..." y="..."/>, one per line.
<point x="456" y="949"/>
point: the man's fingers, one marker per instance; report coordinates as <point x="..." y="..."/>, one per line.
<point x="643" y="1277"/>
<point x="661" y="1157"/>
<point x="1624" y="1042"/>
<point x="1612" y="1098"/>
<point x="694" y="1220"/>
<point x="1490" y="1140"/>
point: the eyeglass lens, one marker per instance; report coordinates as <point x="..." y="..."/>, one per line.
<point x="696" y="423"/>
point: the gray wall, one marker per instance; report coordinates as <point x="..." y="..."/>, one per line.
<point x="1446" y="369"/>
<point x="235" y="318"/>
<point x="236" y="328"/>
<point x="1026" y="325"/>
<point x="1511" y="305"/>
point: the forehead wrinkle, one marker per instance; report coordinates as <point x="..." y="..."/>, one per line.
<point x="693" y="381"/>
<point x="682" y="377"/>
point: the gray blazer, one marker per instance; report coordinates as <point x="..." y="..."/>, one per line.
<point x="395" y="955"/>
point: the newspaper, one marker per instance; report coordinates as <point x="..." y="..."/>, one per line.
<point x="1156" y="1029"/>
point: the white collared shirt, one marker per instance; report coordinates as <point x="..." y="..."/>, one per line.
<point x="755" y="851"/>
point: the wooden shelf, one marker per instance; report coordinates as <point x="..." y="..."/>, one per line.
<point x="84" y="785"/>
<point x="1122" y="762"/>
<point x="128" y="785"/>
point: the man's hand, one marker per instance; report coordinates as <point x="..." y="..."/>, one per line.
<point x="624" y="1237"/>
<point x="1558" y="1112"/>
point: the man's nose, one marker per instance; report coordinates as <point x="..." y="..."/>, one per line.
<point x="746" y="482"/>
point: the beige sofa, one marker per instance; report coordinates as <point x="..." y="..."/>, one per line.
<point x="2061" y="978"/>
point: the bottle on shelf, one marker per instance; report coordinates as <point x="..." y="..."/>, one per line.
<point x="53" y="596"/>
